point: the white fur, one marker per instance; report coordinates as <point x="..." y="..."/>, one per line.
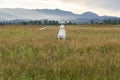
<point x="62" y="33"/>
<point x="43" y="29"/>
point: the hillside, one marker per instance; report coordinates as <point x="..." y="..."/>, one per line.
<point x="7" y="14"/>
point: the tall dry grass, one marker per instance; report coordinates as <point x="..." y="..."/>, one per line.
<point x="90" y="52"/>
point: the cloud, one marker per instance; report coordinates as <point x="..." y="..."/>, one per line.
<point x="106" y="4"/>
<point x="101" y="7"/>
<point x="1" y="2"/>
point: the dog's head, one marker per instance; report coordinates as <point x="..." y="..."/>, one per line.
<point x="62" y="27"/>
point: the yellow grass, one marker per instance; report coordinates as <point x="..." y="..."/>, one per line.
<point x="90" y="52"/>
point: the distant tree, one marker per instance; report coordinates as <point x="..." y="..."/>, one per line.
<point x="65" y="22"/>
<point x="40" y="22"/>
<point x="114" y="21"/>
<point x="92" y="22"/>
<point x="24" y="23"/>
<point x="45" y="22"/>
<point x="74" y="24"/>
<point x="119" y="21"/>
<point x="0" y="23"/>
<point x="69" y="23"/>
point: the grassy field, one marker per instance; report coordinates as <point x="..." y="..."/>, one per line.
<point x="90" y="52"/>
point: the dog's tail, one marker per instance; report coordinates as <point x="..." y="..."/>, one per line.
<point x="60" y="37"/>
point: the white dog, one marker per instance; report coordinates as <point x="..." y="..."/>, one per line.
<point x="62" y="33"/>
<point x="43" y="29"/>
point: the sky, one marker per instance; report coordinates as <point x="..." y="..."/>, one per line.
<point x="101" y="7"/>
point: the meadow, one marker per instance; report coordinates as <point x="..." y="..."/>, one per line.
<point x="90" y="52"/>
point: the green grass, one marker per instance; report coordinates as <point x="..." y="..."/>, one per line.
<point x="90" y="52"/>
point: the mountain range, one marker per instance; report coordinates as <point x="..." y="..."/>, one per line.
<point x="7" y="14"/>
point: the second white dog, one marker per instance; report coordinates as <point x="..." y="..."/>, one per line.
<point x="43" y="29"/>
<point x="62" y="33"/>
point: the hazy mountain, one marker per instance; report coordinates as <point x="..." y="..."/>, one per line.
<point x="89" y="15"/>
<point x="39" y="14"/>
<point x="36" y="14"/>
<point x="86" y="17"/>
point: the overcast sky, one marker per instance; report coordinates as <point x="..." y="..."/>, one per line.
<point x="101" y="7"/>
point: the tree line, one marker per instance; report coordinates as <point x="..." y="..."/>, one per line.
<point x="32" y="22"/>
<point x="53" y="22"/>
<point x="36" y="22"/>
<point x="113" y="21"/>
